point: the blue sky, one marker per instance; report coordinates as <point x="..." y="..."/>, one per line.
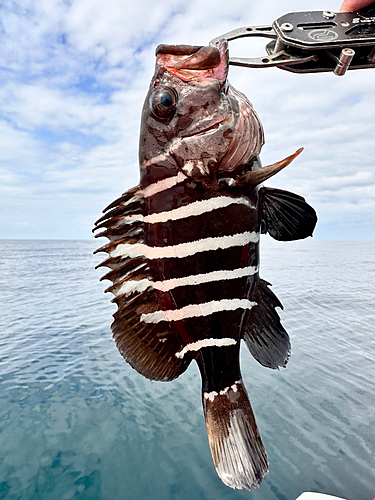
<point x="73" y="76"/>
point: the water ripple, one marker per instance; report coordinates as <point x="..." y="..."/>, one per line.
<point x="77" y="422"/>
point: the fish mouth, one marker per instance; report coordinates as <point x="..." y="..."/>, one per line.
<point x="195" y="63"/>
<point x="198" y="57"/>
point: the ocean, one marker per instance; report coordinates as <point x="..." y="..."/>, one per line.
<point x="76" y="422"/>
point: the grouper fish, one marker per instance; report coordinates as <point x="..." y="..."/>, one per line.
<point x="183" y="251"/>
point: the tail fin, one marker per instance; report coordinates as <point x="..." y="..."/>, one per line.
<point x="237" y="449"/>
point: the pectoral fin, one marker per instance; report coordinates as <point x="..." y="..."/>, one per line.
<point x="286" y="216"/>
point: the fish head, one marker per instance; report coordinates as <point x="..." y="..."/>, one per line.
<point x="192" y="119"/>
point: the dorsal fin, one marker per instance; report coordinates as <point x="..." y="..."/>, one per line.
<point x="149" y="348"/>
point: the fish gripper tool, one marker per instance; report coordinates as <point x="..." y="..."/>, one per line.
<point x="313" y="42"/>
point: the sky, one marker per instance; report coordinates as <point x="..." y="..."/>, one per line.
<point x="73" y="77"/>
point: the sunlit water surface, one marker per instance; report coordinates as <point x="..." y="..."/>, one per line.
<point x="76" y="422"/>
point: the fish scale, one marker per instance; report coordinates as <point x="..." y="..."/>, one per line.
<point x="183" y="251"/>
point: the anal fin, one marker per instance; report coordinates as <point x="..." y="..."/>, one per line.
<point x="263" y="333"/>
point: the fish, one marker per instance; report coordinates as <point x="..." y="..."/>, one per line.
<point x="183" y="250"/>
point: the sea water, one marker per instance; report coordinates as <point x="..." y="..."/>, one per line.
<point x="77" y="422"/>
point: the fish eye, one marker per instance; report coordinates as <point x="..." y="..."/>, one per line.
<point x="163" y="102"/>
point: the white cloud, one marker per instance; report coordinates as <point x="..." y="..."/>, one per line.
<point x="73" y="76"/>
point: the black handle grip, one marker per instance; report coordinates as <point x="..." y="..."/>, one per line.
<point x="326" y="29"/>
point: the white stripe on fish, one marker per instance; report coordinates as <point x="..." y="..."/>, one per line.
<point x="163" y="185"/>
<point x="212" y="395"/>
<point x="196" y="310"/>
<point x="197" y="208"/>
<point x="184" y="249"/>
<point x="130" y="219"/>
<point x="193" y="209"/>
<point x="198" y="279"/>
<point x="196" y="346"/>
<point x="195" y="279"/>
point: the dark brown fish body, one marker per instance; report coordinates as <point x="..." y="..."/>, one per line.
<point x="184" y="248"/>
